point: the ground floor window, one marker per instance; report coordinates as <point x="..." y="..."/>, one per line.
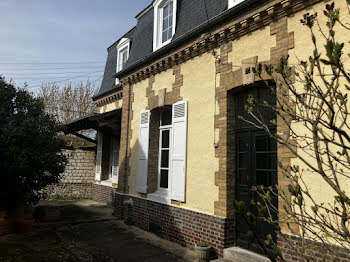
<point x="164" y="170"/>
<point x="162" y="153"/>
<point x="107" y="158"/>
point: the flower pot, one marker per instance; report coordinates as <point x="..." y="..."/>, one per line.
<point x="2" y="215"/>
<point x="24" y="225"/>
<point x="203" y="253"/>
<point x="6" y="227"/>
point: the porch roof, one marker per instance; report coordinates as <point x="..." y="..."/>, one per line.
<point x="108" y="123"/>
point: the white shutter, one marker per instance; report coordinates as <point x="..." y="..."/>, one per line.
<point x="115" y="163"/>
<point x="178" y="158"/>
<point x="99" y="156"/>
<point x="142" y="165"/>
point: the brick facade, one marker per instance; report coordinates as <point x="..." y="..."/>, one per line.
<point x="176" y="224"/>
<point x="78" y="176"/>
<point x="103" y="194"/>
<point x="76" y="190"/>
<point x="293" y="250"/>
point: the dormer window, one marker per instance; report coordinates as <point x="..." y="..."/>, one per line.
<point x="123" y="49"/>
<point x="232" y="3"/>
<point x="167" y="22"/>
<point x="164" y="22"/>
<point x="123" y="58"/>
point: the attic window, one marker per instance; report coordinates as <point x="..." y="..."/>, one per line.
<point x="123" y="49"/>
<point x="164" y="22"/>
<point x="232" y="3"/>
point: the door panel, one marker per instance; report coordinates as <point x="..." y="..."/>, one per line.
<point x="256" y="160"/>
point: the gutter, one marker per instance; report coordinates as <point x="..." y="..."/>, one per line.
<point x="108" y="92"/>
<point x="220" y="18"/>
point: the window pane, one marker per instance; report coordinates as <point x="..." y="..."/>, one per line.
<point x="170" y="32"/>
<point x="165" y="24"/>
<point x="170" y="7"/>
<point x="164" y="178"/>
<point x="170" y="21"/>
<point x="165" y="36"/>
<point x="263" y="178"/>
<point x="166" y="10"/>
<point x="263" y="160"/>
<point x="165" y="139"/>
<point x="165" y="159"/>
<point x="262" y="143"/>
<point x="166" y="116"/>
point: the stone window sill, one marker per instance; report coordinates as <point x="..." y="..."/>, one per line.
<point x="107" y="183"/>
<point x="160" y="198"/>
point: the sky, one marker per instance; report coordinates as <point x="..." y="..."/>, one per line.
<point x="45" y="41"/>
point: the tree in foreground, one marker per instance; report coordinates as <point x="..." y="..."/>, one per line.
<point x="30" y="148"/>
<point x="313" y="102"/>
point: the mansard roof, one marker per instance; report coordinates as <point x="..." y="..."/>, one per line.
<point x="193" y="18"/>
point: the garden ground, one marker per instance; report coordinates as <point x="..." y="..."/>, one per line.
<point x="87" y="231"/>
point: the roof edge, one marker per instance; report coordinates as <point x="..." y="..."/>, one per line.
<point x="188" y="36"/>
<point x="144" y="11"/>
<point x="106" y="93"/>
<point x="120" y="38"/>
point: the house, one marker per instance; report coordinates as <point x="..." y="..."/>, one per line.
<point x="169" y="132"/>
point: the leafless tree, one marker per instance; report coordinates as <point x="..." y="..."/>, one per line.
<point x="68" y="102"/>
<point x="312" y="101"/>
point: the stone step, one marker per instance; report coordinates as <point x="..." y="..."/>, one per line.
<point x="237" y="254"/>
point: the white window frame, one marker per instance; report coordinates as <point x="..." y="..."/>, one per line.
<point x="123" y="46"/>
<point x="164" y="191"/>
<point x="158" y="23"/>
<point x="233" y="3"/>
<point x="111" y="157"/>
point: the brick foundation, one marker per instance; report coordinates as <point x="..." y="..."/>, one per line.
<point x="103" y="194"/>
<point x="291" y="247"/>
<point x="176" y="224"/>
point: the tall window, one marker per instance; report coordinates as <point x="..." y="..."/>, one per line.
<point x="164" y="148"/>
<point x="164" y="22"/>
<point x="167" y="22"/>
<point x="123" y="58"/>
<point x="122" y="55"/>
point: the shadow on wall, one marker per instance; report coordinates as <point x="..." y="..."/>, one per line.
<point x="170" y="222"/>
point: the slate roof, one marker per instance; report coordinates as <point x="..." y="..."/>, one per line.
<point x="192" y="17"/>
<point x="108" y="82"/>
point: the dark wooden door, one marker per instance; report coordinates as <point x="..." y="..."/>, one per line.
<point x="256" y="165"/>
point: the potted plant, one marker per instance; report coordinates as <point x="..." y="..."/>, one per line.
<point x="203" y="251"/>
<point x="24" y="220"/>
<point x="5" y="224"/>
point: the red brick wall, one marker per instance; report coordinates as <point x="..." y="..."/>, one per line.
<point x="176" y="224"/>
<point x="103" y="194"/>
<point x="292" y="249"/>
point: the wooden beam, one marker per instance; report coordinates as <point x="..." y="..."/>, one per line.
<point x="85" y="137"/>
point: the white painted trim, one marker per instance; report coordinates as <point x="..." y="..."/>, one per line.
<point x="124" y="44"/>
<point x="232" y="3"/>
<point x="158" y="23"/>
<point x="107" y="183"/>
<point x="164" y="191"/>
<point x="159" y="198"/>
